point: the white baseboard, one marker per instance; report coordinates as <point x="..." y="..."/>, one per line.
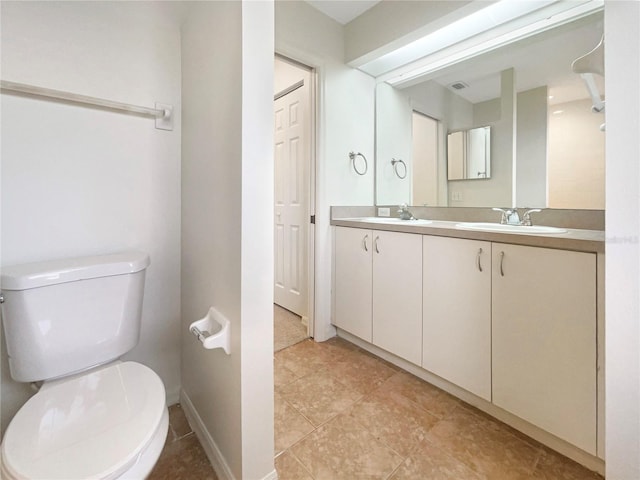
<point x="272" y="476"/>
<point x="214" y="454"/>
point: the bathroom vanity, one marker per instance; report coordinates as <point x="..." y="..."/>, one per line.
<point x="508" y="322"/>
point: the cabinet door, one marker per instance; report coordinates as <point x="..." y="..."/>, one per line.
<point x="397" y="294"/>
<point x="352" y="288"/>
<point x="456" y="315"/>
<point x="544" y="339"/>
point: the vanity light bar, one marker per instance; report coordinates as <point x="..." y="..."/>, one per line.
<point x="540" y="20"/>
<point x="476" y="23"/>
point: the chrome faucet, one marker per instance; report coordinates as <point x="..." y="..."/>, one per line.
<point x="509" y="216"/>
<point x="512" y="217"/>
<point x="404" y="212"/>
<point x="526" y="218"/>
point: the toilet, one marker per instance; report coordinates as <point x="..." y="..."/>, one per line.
<point x="66" y="324"/>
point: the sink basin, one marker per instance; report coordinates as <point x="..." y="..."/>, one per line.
<point x="391" y="221"/>
<point x="502" y="228"/>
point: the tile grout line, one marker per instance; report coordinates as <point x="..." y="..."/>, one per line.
<point x="363" y="396"/>
<point x="295" y="457"/>
<point x="288" y="449"/>
<point x="183" y="436"/>
<point x="416" y="446"/>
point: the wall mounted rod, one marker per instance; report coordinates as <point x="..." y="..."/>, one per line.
<point x="83" y="99"/>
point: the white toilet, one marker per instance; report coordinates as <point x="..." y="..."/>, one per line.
<point x="66" y="323"/>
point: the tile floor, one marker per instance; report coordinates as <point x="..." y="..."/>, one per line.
<point x="182" y="457"/>
<point x="341" y="413"/>
<point x="287" y="328"/>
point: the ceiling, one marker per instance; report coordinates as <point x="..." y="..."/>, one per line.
<point x="342" y="11"/>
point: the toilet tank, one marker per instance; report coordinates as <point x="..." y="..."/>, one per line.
<point x="64" y="316"/>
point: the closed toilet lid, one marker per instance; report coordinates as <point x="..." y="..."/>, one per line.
<point x="90" y="426"/>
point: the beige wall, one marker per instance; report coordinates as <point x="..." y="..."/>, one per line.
<point x="82" y="181"/>
<point x="576" y="161"/>
<point x="212" y="215"/>
<point x="622" y="66"/>
<point x="531" y="155"/>
<point x="498" y="190"/>
<point x="345" y="122"/>
<point x="257" y="256"/>
<point x="393" y="140"/>
<point x="227" y="198"/>
<point x="393" y="135"/>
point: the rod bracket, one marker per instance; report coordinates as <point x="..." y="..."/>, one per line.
<point x="164" y="122"/>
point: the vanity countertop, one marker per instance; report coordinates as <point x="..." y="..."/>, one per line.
<point x="572" y="239"/>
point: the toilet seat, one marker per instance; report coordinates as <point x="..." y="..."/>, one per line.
<point x="95" y="425"/>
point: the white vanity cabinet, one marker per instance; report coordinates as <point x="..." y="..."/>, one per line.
<point x="513" y="328"/>
<point x="397" y="294"/>
<point x="457" y="312"/>
<point x="544" y="339"/>
<point x="353" y="281"/>
<point x="378" y="289"/>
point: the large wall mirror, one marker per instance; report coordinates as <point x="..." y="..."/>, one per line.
<point x="544" y="144"/>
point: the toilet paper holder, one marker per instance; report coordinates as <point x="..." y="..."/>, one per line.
<point x="213" y="322"/>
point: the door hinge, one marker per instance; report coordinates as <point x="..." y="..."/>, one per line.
<point x="313" y="219"/>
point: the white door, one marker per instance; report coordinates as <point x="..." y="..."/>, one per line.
<point x="291" y="209"/>
<point x="424" y="188"/>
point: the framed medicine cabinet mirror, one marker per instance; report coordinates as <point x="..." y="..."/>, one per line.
<point x="469" y="154"/>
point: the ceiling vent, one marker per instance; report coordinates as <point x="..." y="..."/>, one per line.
<point x="458" y="85"/>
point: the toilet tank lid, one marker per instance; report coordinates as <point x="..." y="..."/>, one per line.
<point x="40" y="274"/>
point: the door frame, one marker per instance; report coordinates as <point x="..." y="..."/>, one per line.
<point x="311" y="187"/>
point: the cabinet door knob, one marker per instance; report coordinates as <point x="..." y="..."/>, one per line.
<point x="501" y="264"/>
<point x="364" y="243"/>
<point x="375" y="243"/>
<point x="478" y="259"/>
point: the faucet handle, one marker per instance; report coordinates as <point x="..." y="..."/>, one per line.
<point x="526" y="218"/>
<point x="509" y="216"/>
<point x="405" y="213"/>
<point x="505" y="214"/>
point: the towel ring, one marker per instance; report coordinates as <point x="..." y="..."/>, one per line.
<point x="395" y="163"/>
<point x="352" y="157"/>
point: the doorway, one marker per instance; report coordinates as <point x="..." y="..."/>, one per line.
<point x="424" y="181"/>
<point x="293" y="201"/>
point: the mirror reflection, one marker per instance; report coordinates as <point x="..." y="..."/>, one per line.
<point x="469" y="154"/>
<point x="545" y="144"/>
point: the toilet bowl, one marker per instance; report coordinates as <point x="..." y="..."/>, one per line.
<point x="66" y="323"/>
<point x="108" y="423"/>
